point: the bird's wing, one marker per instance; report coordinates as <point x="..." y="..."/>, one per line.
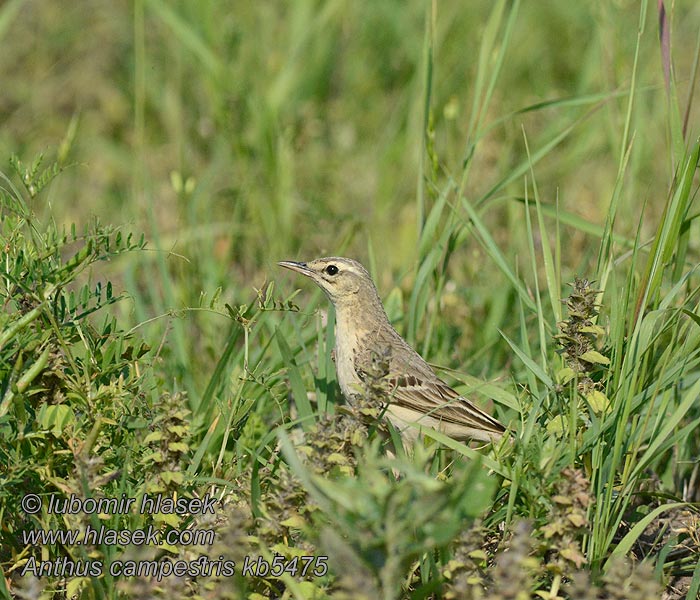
<point x="438" y="400"/>
<point x="412" y="384"/>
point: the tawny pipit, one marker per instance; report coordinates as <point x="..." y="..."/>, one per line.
<point x="363" y="333"/>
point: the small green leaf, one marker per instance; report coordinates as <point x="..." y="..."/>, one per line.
<point x="56" y="418"/>
<point x="337" y="458"/>
<point x="577" y="519"/>
<point x="178" y="447"/>
<point x="595" y="357"/>
<point x="599" y="401"/>
<point x="594" y="329"/>
<point x="478" y="555"/>
<point x="154" y="436"/>
<point x="169" y="477"/>
<point x="294" y="522"/>
<point x="565" y="375"/>
<point x="556" y="425"/>
<point x="168" y="518"/>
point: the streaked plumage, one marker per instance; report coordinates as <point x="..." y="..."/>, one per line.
<point x="364" y="335"/>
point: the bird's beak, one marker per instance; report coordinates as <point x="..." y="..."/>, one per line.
<point x="299" y="267"/>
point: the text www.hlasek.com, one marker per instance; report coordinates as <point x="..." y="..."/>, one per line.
<point x="150" y="536"/>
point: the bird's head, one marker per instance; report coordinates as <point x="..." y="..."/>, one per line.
<point x="343" y="280"/>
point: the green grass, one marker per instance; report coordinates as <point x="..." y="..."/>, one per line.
<point x="519" y="179"/>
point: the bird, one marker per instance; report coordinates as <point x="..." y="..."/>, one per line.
<point x="416" y="398"/>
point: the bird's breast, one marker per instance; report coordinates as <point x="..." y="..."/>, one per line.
<point x="346" y="345"/>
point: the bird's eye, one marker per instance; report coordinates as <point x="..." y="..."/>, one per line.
<point x="332" y="270"/>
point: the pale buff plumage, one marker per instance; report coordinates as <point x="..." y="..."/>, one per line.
<point x="363" y="333"/>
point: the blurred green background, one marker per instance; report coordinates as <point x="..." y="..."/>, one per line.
<point x="236" y="134"/>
